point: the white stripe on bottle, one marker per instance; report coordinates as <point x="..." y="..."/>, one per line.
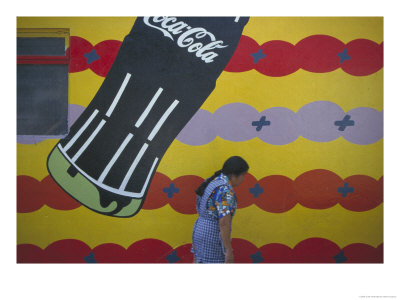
<point x="115" y="157"/>
<point x="119" y="94"/>
<point x="133" y="166"/>
<point x="88" y="141"/>
<point x="81" y="130"/>
<point x="148" y="108"/>
<point x="162" y="120"/>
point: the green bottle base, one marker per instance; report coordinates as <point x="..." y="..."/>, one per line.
<point x="87" y="193"/>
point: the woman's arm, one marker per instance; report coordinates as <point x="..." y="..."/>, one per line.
<point x="225" y="229"/>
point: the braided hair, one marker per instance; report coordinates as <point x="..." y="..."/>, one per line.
<point x="233" y="165"/>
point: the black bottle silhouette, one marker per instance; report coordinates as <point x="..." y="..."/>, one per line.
<point x="164" y="71"/>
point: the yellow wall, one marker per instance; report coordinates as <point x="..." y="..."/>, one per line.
<point x="46" y="225"/>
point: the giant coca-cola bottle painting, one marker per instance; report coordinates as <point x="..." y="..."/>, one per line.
<point x="164" y="71"/>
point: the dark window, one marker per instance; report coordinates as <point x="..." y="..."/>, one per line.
<point x="42" y="82"/>
<point x="41" y="46"/>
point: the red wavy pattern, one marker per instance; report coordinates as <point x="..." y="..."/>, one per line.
<point x="102" y="59"/>
<point x="316" y="53"/>
<point x="33" y="194"/>
<point x="311" y="250"/>
<point x="315" y="189"/>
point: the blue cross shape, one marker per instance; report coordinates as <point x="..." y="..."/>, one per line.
<point x="257" y="257"/>
<point x="256" y="190"/>
<point x="258" y="55"/>
<point x="344" y="56"/>
<point x="260" y="123"/>
<point x="171" y="190"/>
<point x="90" y="258"/>
<point x="172" y="258"/>
<point x="91" y="56"/>
<point x="344" y="123"/>
<point x="346" y="189"/>
<point x="340" y="258"/>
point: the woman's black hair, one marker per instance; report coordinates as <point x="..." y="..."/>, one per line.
<point x="233" y="165"/>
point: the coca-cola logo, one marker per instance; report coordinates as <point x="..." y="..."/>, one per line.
<point x="187" y="37"/>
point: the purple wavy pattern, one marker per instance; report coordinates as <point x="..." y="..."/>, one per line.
<point x="74" y="111"/>
<point x="319" y="121"/>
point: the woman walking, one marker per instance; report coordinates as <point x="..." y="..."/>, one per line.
<point x="216" y="204"/>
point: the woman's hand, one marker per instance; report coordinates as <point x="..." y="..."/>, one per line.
<point x="229" y="256"/>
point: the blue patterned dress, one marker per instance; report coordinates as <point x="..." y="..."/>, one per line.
<point x="218" y="200"/>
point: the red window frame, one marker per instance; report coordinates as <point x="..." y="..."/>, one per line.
<point x="40" y="59"/>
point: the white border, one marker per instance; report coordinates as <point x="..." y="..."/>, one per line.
<point x="147" y="281"/>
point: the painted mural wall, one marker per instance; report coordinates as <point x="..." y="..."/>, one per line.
<point x="155" y="105"/>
